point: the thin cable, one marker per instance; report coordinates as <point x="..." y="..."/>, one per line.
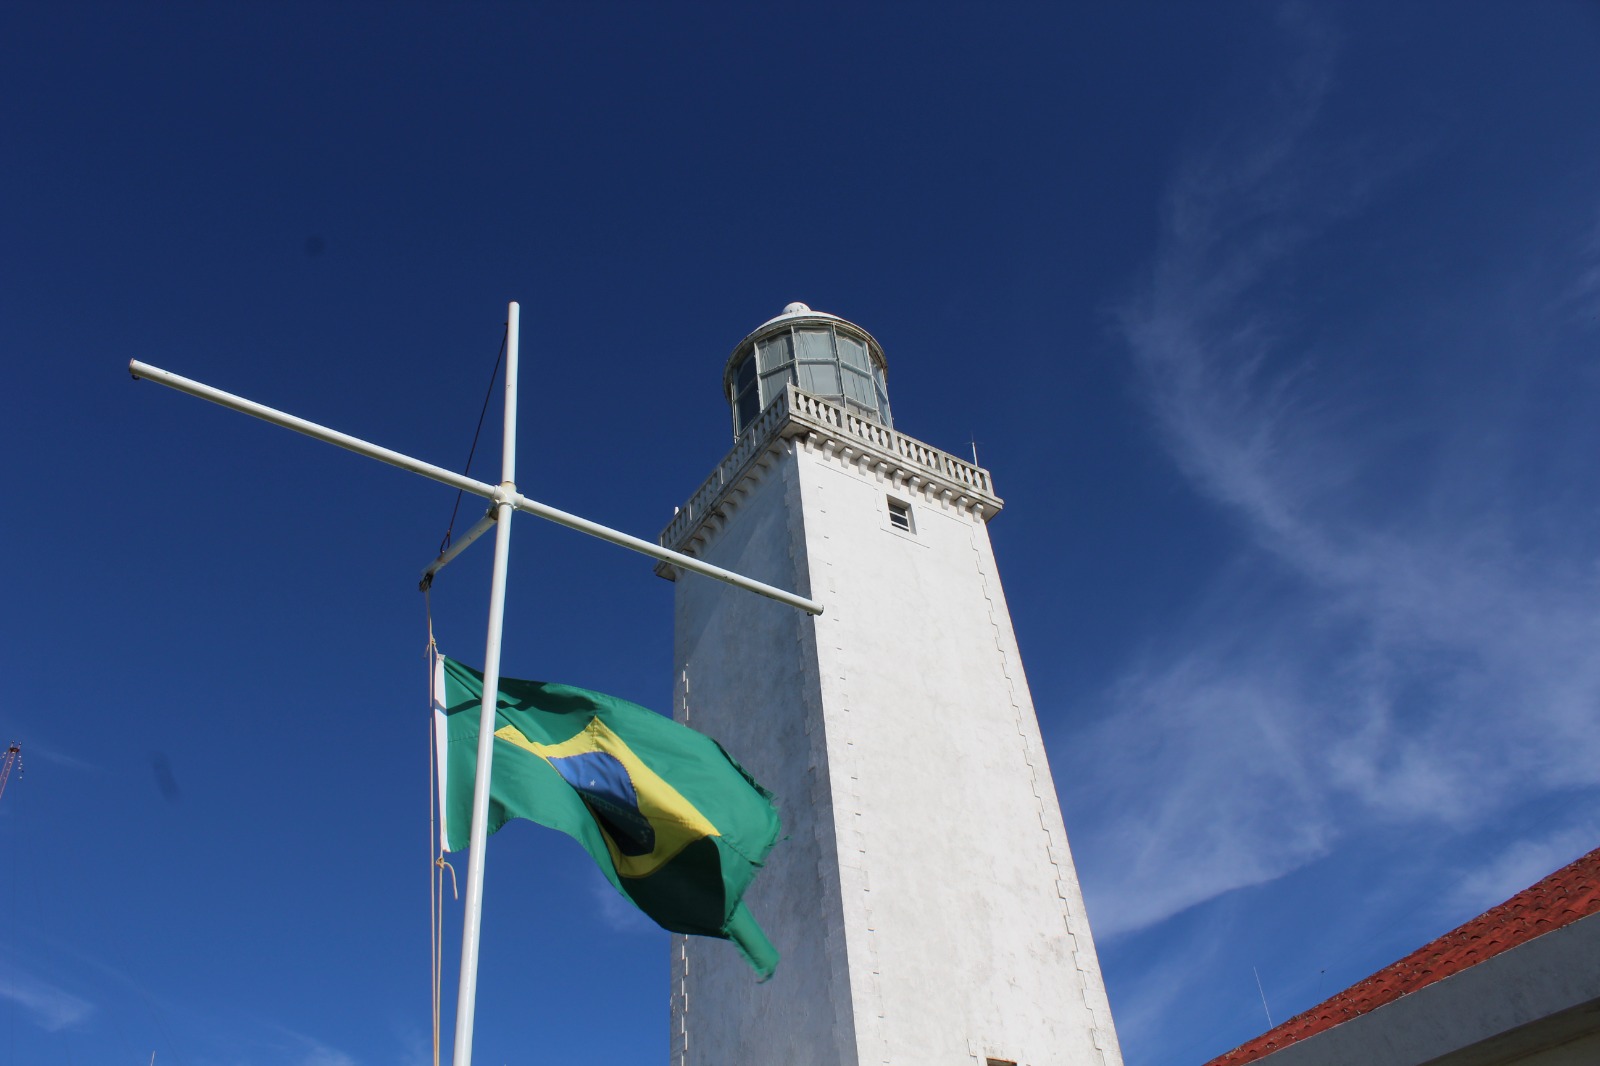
<point x="487" y="396"/>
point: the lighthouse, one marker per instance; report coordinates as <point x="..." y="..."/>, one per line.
<point x="923" y="896"/>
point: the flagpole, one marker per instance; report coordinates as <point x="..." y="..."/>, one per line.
<point x="467" y="990"/>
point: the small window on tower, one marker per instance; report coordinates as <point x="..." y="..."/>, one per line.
<point x="1000" y="1062"/>
<point x="900" y="515"/>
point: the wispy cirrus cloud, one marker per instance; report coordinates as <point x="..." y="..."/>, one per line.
<point x="322" y="1055"/>
<point x="51" y="1008"/>
<point x="302" y="1049"/>
<point x="1581" y="297"/>
<point x="1522" y="864"/>
<point x="1408" y="632"/>
<point x="34" y="749"/>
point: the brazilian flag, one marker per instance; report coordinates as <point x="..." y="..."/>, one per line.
<point x="675" y="824"/>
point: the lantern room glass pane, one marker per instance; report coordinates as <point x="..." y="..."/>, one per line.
<point x="749" y="408"/>
<point x="772" y="384"/>
<point x="775" y="351"/>
<point x="815" y="345"/>
<point x="854" y="353"/>
<point x="883" y="396"/>
<point x="745" y="375"/>
<point x="820" y="378"/>
<point x="858" y="387"/>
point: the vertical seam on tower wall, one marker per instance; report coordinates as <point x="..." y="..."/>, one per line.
<point x="822" y="770"/>
<point x="1084" y="977"/>
<point x="852" y="837"/>
<point x="853" y="776"/>
<point x="680" y="976"/>
<point x="680" y="1056"/>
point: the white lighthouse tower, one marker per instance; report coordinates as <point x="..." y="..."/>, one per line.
<point x="923" y="896"/>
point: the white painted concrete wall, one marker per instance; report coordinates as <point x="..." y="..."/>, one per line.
<point x="752" y="683"/>
<point x="924" y="898"/>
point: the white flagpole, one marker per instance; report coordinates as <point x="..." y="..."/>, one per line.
<point x="506" y="499"/>
<point x="466" y="999"/>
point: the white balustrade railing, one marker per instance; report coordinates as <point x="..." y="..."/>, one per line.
<point x="803" y="408"/>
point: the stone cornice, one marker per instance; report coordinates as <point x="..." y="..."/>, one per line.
<point x="905" y="462"/>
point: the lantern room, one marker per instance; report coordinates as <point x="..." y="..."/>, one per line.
<point x="816" y="352"/>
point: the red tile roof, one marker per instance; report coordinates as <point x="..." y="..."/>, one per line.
<point x="1570" y="893"/>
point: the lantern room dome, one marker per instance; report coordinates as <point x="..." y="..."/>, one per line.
<point x="814" y="351"/>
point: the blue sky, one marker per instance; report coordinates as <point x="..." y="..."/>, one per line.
<point x="1277" y="325"/>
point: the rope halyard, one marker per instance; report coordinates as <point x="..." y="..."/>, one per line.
<point x="437" y="864"/>
<point x="436" y="856"/>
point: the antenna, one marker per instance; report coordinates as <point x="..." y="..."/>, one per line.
<point x="973" y="439"/>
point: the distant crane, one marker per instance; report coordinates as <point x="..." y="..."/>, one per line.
<point x="13" y="757"/>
